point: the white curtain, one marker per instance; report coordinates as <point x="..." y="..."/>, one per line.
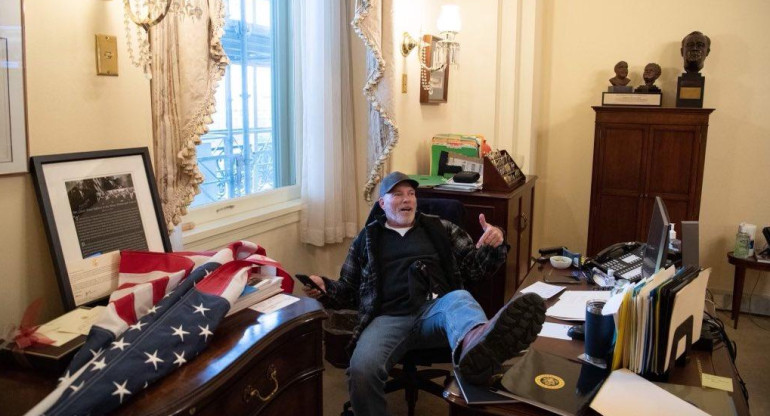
<point x="324" y="116"/>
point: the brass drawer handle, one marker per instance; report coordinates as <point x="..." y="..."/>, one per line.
<point x="249" y="392"/>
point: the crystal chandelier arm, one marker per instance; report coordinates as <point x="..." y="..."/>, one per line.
<point x="146" y="23"/>
<point x="421" y="46"/>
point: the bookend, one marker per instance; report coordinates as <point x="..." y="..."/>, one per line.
<point x="684" y="330"/>
<point x="501" y="173"/>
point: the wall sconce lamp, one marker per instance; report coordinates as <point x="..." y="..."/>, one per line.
<point x="446" y="49"/>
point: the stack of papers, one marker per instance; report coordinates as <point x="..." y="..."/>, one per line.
<point x="647" y="315"/>
<point x="70" y="325"/>
<point x="572" y="304"/>
<point x="462" y="187"/>
<point x="545" y="290"/>
<point x="252" y="294"/>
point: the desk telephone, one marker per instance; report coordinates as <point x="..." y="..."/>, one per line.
<point x="617" y="250"/>
<point x="624" y="258"/>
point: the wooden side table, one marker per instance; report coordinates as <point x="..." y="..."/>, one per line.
<point x="740" y="274"/>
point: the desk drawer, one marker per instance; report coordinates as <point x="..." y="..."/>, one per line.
<point x="272" y="376"/>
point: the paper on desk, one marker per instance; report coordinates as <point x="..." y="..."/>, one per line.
<point x="552" y="330"/>
<point x="716" y="382"/>
<point x="627" y="394"/>
<point x="274" y="303"/>
<point x="70" y="325"/>
<point x="59" y="338"/>
<point x="545" y="290"/>
<point x="572" y="304"/>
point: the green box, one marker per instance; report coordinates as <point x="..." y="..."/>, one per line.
<point x="464" y="144"/>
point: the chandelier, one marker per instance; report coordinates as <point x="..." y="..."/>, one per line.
<point x="141" y="15"/>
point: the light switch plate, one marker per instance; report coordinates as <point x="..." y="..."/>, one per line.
<point x="106" y="55"/>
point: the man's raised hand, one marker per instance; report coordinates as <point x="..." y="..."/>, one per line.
<point x="492" y="236"/>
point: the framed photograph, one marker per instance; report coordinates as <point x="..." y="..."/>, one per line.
<point x="95" y="204"/>
<point x="13" y="131"/>
<point x="439" y="80"/>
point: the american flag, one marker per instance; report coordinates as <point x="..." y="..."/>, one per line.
<point x="161" y="316"/>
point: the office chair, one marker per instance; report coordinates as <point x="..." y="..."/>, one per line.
<point x="408" y="377"/>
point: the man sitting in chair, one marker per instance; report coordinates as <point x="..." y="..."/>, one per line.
<point x="405" y="273"/>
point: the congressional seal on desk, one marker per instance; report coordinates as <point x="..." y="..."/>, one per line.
<point x="549" y="381"/>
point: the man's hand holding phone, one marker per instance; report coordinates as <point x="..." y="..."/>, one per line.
<point x="312" y="285"/>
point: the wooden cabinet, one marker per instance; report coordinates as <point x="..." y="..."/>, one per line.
<point x="641" y="153"/>
<point x="511" y="211"/>
<point x="266" y="365"/>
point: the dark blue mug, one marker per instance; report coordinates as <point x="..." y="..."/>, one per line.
<point x="599" y="332"/>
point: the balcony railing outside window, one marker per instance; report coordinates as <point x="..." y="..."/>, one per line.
<point x="248" y="148"/>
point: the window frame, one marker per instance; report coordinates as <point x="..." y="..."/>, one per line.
<point x="264" y="205"/>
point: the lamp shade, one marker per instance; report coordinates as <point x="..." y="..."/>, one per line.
<point x="449" y="19"/>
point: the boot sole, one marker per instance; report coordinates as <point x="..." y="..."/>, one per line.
<point x="516" y="328"/>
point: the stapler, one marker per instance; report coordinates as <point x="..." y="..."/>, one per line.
<point x="547" y="252"/>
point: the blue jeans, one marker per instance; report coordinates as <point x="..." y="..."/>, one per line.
<point x="387" y="338"/>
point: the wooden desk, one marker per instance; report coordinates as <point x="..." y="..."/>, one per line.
<point x="513" y="212"/>
<point x="717" y="362"/>
<point x="240" y="359"/>
<point x="740" y="274"/>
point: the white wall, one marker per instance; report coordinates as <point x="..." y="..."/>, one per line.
<point x="481" y="98"/>
<point x="583" y="40"/>
<point x="69" y="109"/>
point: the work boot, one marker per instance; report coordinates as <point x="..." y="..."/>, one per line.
<point x="512" y="329"/>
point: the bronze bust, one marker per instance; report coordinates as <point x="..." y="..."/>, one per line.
<point x="621" y="74"/>
<point x="695" y="48"/>
<point x="652" y="72"/>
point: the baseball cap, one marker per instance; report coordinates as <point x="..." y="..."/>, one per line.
<point x="393" y="179"/>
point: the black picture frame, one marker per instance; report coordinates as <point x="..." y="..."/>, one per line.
<point x="93" y="205"/>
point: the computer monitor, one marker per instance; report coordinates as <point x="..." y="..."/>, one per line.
<point x="657" y="239"/>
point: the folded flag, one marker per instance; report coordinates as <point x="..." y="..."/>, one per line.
<point x="161" y="316"/>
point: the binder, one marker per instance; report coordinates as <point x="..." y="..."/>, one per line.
<point x="552" y="382"/>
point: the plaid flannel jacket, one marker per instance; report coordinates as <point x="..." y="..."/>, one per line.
<point x="359" y="285"/>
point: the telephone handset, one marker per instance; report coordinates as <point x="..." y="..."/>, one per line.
<point x="616" y="250"/>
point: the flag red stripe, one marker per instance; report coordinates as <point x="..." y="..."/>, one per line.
<point x="159" y="289"/>
<point x="217" y="281"/>
<point x="145" y="262"/>
<point x="124" y="307"/>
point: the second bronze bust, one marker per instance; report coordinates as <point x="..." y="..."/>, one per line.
<point x="652" y="72"/>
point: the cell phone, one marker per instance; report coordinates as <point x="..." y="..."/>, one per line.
<point x="308" y="282"/>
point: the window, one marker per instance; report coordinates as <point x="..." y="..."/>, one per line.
<point x="249" y="148"/>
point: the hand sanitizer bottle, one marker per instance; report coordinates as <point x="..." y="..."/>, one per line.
<point x="674" y="245"/>
<point x="741" y="243"/>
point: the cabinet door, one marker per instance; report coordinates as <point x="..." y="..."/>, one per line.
<point x="617" y="184"/>
<point x="496" y="211"/>
<point x="672" y="173"/>
<point x="524" y="224"/>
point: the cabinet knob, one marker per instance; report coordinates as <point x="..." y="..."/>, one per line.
<point x="250" y="392"/>
<point x="523" y="222"/>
